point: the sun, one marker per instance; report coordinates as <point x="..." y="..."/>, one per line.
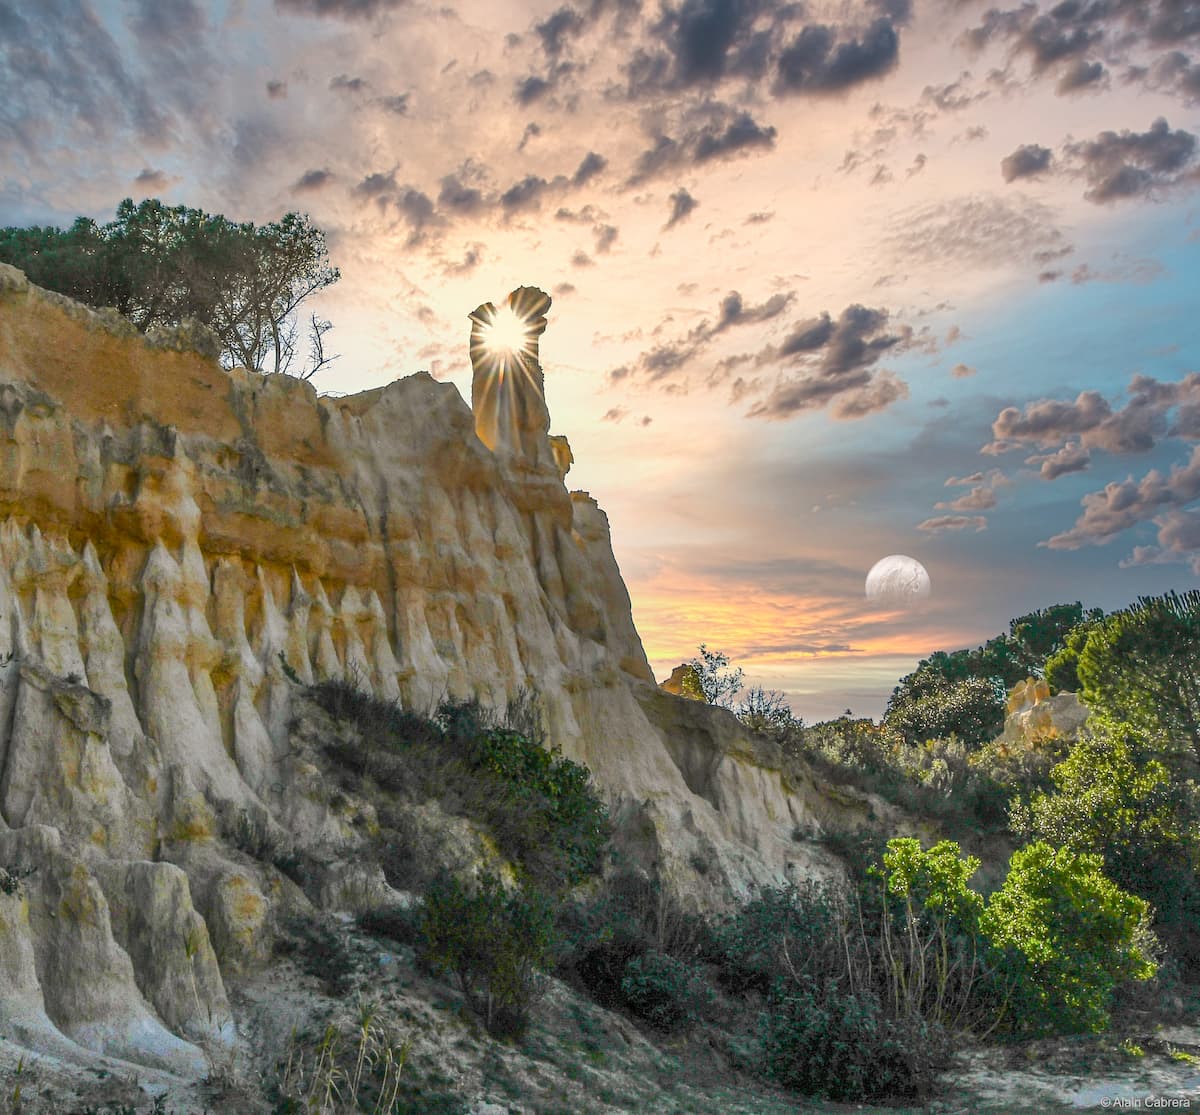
<point x="507" y="334"/>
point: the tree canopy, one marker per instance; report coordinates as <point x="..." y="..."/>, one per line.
<point x="160" y="265"/>
<point x="1142" y="666"/>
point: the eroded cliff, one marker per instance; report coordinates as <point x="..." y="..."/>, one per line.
<point x="178" y="545"/>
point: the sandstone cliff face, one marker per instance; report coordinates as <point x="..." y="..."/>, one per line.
<point x="177" y="544"/>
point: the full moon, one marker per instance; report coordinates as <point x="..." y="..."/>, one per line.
<point x="899" y="580"/>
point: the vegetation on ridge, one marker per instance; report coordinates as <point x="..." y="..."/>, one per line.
<point x="162" y="266"/>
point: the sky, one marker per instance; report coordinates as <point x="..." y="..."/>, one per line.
<point x="832" y="279"/>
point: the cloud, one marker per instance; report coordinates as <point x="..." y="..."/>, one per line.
<point x="606" y="237"/>
<point x="58" y="61"/>
<point x="974" y="231"/>
<point x="339" y="9"/>
<point x="816" y="61"/>
<point x="981" y="498"/>
<point x="1027" y="161"/>
<point x="1081" y="75"/>
<point x="712" y="131"/>
<point x="344" y="83"/>
<point x="156" y="180"/>
<point x="942" y="523"/>
<point x="397" y="104"/>
<point x="313" y="180"/>
<point x="1121" y="165"/>
<point x="592" y="165"/>
<point x="1124" y="504"/>
<point x="666" y="359"/>
<point x="962" y="371"/>
<point x="682" y="205"/>
<point x="1072" y="457"/>
<point x="277" y="90"/>
<point x="834" y="362"/>
<point x="1154" y="410"/>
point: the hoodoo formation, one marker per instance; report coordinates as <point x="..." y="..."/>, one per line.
<point x="184" y="549"/>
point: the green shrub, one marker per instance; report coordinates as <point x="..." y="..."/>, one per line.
<point x="666" y="992"/>
<point x="1113" y="799"/>
<point x="821" y="1040"/>
<point x="972" y="709"/>
<point x="493" y="943"/>
<point x="631" y="917"/>
<point x="542" y="809"/>
<point x="797" y="928"/>
<point x="1063" y="936"/>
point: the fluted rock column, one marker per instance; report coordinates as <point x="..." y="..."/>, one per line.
<point x="507" y="385"/>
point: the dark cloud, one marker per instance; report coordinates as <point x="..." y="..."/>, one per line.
<point x="559" y="27"/>
<point x="1027" y="161"/>
<point x="1121" y="165"/>
<point x="527" y="194"/>
<point x="941" y="523"/>
<point x="702" y="43"/>
<point x="397" y="103"/>
<point x="58" y="62"/>
<point x="760" y="218"/>
<point x="1154" y="410"/>
<point x="530" y="89"/>
<point x="833" y="362"/>
<point x="472" y="258"/>
<point x="582" y="259"/>
<point x="1124" y="504"/>
<point x="953" y="96"/>
<point x="816" y="61"/>
<point x="151" y="179"/>
<point x="592" y="165"/>
<point x="377" y="185"/>
<point x="1176" y="73"/>
<point x="277" y="90"/>
<point x="313" y="180"/>
<point x="606" y="237"/>
<point x="344" y="83"/>
<point x="682" y="205"/>
<point x="339" y="9"/>
<point x="1081" y="74"/>
<point x="458" y="197"/>
<point x="723" y="133"/>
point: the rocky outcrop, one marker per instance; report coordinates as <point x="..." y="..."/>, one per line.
<point x="1033" y="716"/>
<point x="182" y="548"/>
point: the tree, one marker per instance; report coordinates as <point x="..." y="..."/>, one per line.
<point x="159" y="266"/>
<point x="1065" y="936"/>
<point x="1142" y="666"/>
<point x="712" y="680"/>
<point x="767" y="711"/>
<point x="972" y="709"/>
<point x="1114" y="800"/>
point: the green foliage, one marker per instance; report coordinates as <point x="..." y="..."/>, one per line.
<point x="933" y="880"/>
<point x="1064" y="936"/>
<point x="1113" y="799"/>
<point x="542" y="809"/>
<point x="796" y="928"/>
<point x="492" y="942"/>
<point x="1003" y="661"/>
<point x="767" y="712"/>
<point x="11" y="878"/>
<point x="161" y="266"/>
<point x="630" y="918"/>
<point x="971" y="709"/>
<point x="664" y="991"/>
<point x="828" y="1042"/>
<point x="711" y="680"/>
<point x="1142" y="666"/>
